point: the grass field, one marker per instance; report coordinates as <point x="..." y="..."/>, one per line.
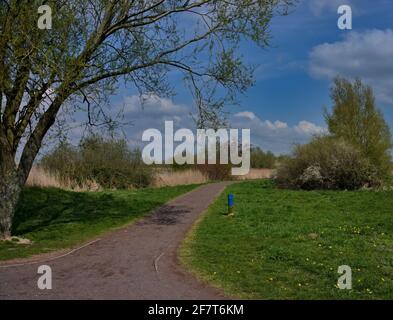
<point x="284" y="244"/>
<point x="55" y="219"/>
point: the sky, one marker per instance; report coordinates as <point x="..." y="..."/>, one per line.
<point x="293" y="77"/>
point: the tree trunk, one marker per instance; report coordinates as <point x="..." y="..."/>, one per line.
<point x="10" y="189"/>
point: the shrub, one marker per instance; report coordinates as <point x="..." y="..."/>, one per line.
<point x="63" y="162"/>
<point x="311" y="177"/>
<point x="262" y="160"/>
<point x="216" y="171"/>
<point x="327" y="163"/>
<point x="109" y="162"/>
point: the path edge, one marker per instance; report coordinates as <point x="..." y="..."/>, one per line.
<point x="186" y="267"/>
<point x="59" y="253"/>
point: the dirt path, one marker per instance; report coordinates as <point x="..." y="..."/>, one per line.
<point x="137" y="262"/>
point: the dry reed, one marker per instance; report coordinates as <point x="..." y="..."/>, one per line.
<point x="38" y="177"/>
<point x="181" y="177"/>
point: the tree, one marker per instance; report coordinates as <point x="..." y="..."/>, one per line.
<point x="92" y="44"/>
<point x="356" y="119"/>
<point x="261" y="159"/>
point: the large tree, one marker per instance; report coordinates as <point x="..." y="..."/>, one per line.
<point x="93" y="44"/>
<point x="356" y="118"/>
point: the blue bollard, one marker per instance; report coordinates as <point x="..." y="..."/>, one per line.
<point x="231" y="203"/>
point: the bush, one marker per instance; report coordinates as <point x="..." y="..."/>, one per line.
<point x="216" y="172"/>
<point x="109" y="162"/>
<point x="327" y="163"/>
<point x="262" y="160"/>
<point x="63" y="162"/>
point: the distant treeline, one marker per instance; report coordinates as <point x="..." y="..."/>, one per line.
<point x="265" y="160"/>
<point x="111" y="163"/>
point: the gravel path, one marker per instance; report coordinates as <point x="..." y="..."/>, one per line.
<point x="137" y="262"/>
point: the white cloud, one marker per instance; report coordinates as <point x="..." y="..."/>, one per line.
<point x="279" y="125"/>
<point x="305" y="127"/>
<point x="246" y="114"/>
<point x="267" y="123"/>
<point x="151" y="112"/>
<point x="276" y="136"/>
<point x="367" y="55"/>
<point x="153" y="105"/>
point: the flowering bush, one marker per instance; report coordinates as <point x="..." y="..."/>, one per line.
<point x="327" y="163"/>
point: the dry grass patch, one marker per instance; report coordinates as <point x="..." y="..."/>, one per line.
<point x="255" y="174"/>
<point x="181" y="177"/>
<point x="38" y="177"/>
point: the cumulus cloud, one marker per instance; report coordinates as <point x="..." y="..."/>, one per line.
<point x="246" y="114"/>
<point x="153" y="105"/>
<point x="276" y="136"/>
<point x="305" y="127"/>
<point x="367" y="55"/>
<point x="152" y="111"/>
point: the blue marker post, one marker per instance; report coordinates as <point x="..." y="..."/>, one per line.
<point x="231" y="204"/>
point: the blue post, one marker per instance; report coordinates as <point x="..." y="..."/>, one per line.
<point x="231" y="203"/>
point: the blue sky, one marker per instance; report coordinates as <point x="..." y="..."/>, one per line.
<point x="288" y="91"/>
<point x="293" y="75"/>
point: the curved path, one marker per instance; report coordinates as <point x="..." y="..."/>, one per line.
<point x="136" y="262"/>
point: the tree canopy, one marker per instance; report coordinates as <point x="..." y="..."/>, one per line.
<point x="356" y="119"/>
<point x="92" y="44"/>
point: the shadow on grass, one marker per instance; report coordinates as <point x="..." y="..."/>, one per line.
<point x="39" y="209"/>
<point x="55" y="219"/>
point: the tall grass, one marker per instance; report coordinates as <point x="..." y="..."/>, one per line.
<point x="256" y="174"/>
<point x="39" y="177"/>
<point x="181" y="177"/>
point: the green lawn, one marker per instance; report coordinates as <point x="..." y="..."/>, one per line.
<point x="285" y="244"/>
<point x="54" y="218"/>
